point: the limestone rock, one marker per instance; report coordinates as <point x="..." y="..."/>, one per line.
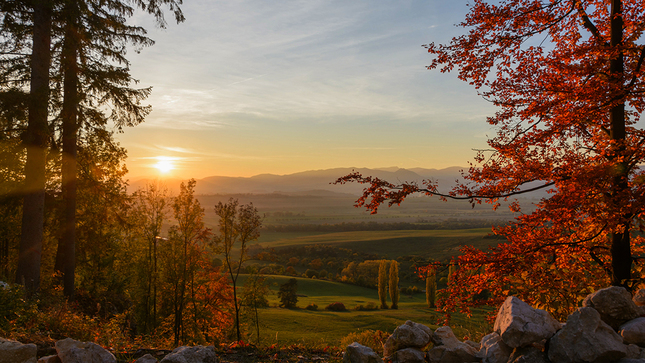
<point x="12" y="351"/>
<point x="475" y="345"/>
<point x="519" y="324"/>
<point x="448" y="349"/>
<point x="408" y="335"/>
<point x="196" y="354"/>
<point x="639" y="297"/>
<point x="586" y="338"/>
<point x="49" y="359"/>
<point x="73" y="351"/>
<point x="633" y="351"/>
<point x="409" y="355"/>
<point x="530" y="354"/>
<point x="357" y="353"/>
<point x="614" y="304"/>
<point x="493" y="349"/>
<point x="148" y="358"/>
<point x="633" y="332"/>
<point x="445" y="336"/>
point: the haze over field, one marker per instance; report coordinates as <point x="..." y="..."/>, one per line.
<point x="307" y="181"/>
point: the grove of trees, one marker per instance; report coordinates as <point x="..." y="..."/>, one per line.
<point x="67" y="222"/>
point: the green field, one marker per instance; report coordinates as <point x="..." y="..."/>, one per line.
<point x="435" y="244"/>
<point x="321" y="327"/>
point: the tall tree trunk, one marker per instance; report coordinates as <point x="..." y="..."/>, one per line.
<point x="620" y="240"/>
<point x="33" y="213"/>
<point x="66" y="254"/>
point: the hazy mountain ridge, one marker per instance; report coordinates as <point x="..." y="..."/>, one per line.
<point x="312" y="181"/>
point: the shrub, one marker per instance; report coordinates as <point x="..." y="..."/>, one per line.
<point x="336" y="306"/>
<point x="367" y="307"/>
<point x="369" y="338"/>
<point x="312" y="306"/>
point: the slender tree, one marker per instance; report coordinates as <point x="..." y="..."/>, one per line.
<point x="150" y="212"/>
<point x="183" y="252"/>
<point x="382" y="282"/>
<point x="394" y="284"/>
<point x="254" y="297"/>
<point x="237" y="224"/>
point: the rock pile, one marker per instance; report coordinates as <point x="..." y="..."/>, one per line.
<point x="72" y="351"/>
<point x="608" y="328"/>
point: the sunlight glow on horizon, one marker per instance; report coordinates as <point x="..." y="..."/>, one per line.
<point x="164" y="164"/>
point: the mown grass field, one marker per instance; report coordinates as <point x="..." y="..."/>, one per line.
<point x="435" y="244"/>
<point x="321" y="327"/>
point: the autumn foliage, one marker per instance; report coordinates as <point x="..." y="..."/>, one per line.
<point x="567" y="78"/>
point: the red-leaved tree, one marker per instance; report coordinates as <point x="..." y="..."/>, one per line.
<point x="568" y="79"/>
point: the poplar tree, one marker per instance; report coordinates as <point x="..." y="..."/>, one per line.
<point x="238" y="224"/>
<point x="394" y="284"/>
<point x="382" y="283"/>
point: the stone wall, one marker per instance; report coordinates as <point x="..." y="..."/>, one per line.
<point x="609" y="327"/>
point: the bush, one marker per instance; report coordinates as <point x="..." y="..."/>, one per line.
<point x="367" y="307"/>
<point x="369" y="338"/>
<point x="312" y="306"/>
<point x="336" y="306"/>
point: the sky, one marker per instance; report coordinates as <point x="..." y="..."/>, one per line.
<point x="247" y="87"/>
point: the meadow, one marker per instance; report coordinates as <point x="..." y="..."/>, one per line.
<point x="321" y="327"/>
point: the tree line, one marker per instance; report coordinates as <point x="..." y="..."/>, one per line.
<point x="450" y="223"/>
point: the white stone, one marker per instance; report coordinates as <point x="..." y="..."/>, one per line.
<point x="448" y="349"/>
<point x="408" y="335"/>
<point x="12" y="351"/>
<point x="357" y="353"/>
<point x="528" y="354"/>
<point x="493" y="349"/>
<point x="586" y="338"/>
<point x="73" y="351"/>
<point x="148" y="358"/>
<point x="409" y="355"/>
<point x="614" y="304"/>
<point x="196" y="354"/>
<point x="49" y="359"/>
<point x="520" y="325"/>
<point x="633" y="332"/>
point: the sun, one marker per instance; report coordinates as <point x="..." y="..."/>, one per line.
<point x="164" y="165"/>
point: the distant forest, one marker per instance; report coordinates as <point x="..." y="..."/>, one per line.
<point x="421" y="224"/>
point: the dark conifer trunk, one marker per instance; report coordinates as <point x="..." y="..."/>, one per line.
<point x="66" y="254"/>
<point x="35" y="140"/>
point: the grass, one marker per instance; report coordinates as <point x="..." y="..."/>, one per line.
<point x="321" y="327"/>
<point x="437" y="244"/>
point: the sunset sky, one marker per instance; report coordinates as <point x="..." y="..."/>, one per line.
<point x="249" y="87"/>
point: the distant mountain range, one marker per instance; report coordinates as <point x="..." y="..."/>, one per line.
<point x="313" y="181"/>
